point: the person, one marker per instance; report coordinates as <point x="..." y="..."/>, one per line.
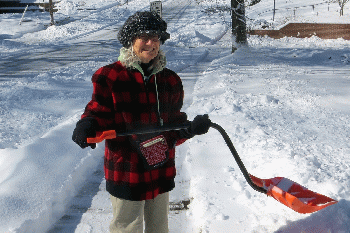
<point x="138" y="92"/>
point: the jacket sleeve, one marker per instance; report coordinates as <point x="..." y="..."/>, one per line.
<point x="178" y="117"/>
<point x="101" y="105"/>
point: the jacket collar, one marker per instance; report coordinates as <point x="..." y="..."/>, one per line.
<point x="129" y="59"/>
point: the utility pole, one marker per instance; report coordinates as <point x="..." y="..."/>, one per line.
<point x="238" y="24"/>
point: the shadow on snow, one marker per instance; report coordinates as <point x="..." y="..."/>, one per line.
<point x="334" y="218"/>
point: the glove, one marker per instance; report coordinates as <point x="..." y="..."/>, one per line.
<point x="84" y="129"/>
<point x="200" y="125"/>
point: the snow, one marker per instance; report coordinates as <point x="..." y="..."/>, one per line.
<point x="284" y="103"/>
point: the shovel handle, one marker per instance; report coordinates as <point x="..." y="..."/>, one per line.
<point x="237" y="158"/>
<point x="100" y="136"/>
<point x="111" y="134"/>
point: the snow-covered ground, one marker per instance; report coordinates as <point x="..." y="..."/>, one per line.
<point x="284" y="103"/>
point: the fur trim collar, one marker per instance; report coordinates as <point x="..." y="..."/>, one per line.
<point x="129" y="59"/>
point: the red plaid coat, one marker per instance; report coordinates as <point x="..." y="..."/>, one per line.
<point x="122" y="100"/>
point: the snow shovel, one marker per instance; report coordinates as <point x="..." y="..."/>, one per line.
<point x="287" y="192"/>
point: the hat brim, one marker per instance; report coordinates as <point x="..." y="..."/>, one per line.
<point x="163" y="36"/>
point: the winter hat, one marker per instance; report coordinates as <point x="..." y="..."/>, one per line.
<point x="140" y="23"/>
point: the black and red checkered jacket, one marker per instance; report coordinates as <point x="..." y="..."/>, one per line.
<point x="122" y="100"/>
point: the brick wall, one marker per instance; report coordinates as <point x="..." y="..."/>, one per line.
<point x="303" y="30"/>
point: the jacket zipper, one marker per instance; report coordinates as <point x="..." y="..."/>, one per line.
<point x="160" y="120"/>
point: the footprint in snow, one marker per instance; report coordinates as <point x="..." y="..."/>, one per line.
<point x="222" y="217"/>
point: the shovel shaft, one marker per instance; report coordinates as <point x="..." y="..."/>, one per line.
<point x="237" y="158"/>
<point x="110" y="134"/>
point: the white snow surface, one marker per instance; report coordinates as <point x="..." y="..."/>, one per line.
<point x="284" y="103"/>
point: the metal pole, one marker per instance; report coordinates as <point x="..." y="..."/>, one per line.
<point x="274" y="10"/>
<point x="233" y="25"/>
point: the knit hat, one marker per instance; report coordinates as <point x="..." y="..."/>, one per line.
<point x="140" y="23"/>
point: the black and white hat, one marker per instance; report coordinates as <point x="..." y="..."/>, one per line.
<point x="140" y="23"/>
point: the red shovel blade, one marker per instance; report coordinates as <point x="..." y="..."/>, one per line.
<point x="293" y="195"/>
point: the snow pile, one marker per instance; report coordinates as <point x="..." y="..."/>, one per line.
<point x="37" y="175"/>
<point x="276" y="118"/>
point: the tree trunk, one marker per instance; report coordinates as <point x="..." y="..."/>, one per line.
<point x="51" y="12"/>
<point x="238" y="23"/>
<point x="342" y="5"/>
<point x="342" y="9"/>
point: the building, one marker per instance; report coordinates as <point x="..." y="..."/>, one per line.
<point x="18" y="6"/>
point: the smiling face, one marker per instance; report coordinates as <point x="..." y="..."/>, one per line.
<point x="146" y="47"/>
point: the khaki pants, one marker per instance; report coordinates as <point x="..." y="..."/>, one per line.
<point x="128" y="216"/>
